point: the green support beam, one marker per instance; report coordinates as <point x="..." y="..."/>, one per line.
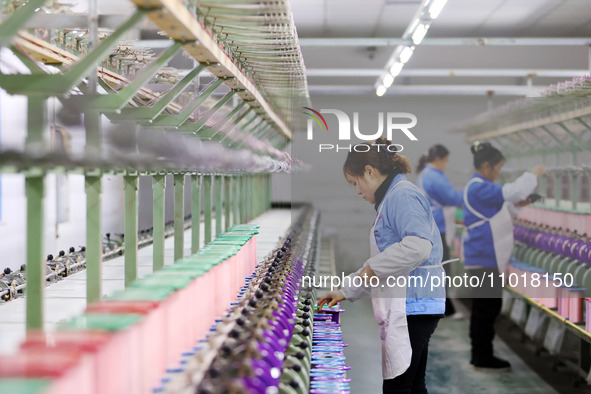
<point x="219" y="209"/>
<point x="181" y="117"/>
<point x="218" y="127"/>
<point x="158" y="220"/>
<point x="15" y="22"/>
<point x="207" y="208"/>
<point x="179" y="216"/>
<point x="61" y="84"/>
<point x="34" y="189"/>
<point x="227" y="200"/>
<point x="114" y="102"/>
<point x="150" y="113"/>
<point x="195" y="212"/>
<point x="197" y="125"/>
<point x="130" y="184"/>
<point x="94" y="241"/>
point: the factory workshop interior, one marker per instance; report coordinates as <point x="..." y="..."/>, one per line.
<point x="305" y="196"/>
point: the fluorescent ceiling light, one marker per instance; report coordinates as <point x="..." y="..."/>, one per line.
<point x="436" y="8"/>
<point x="381" y="90"/>
<point x="405" y="54"/>
<point x="419" y="33"/>
<point x="396" y="68"/>
<point x="388" y="80"/>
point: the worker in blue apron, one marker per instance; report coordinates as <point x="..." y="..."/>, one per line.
<point x="489" y="209"/>
<point x="440" y="193"/>
<point x="404" y="242"/>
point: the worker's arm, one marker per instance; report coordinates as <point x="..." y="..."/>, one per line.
<point x="401" y="258"/>
<point x="519" y="189"/>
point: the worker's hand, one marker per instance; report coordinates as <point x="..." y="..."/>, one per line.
<point x="332" y="297"/>
<point x="522" y="203"/>
<point x="539" y="170"/>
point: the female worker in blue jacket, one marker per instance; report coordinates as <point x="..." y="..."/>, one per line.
<point x="440" y="193"/>
<point x="488" y="244"/>
<point x="404" y="244"/>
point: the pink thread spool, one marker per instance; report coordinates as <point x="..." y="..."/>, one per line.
<point x="575" y="305"/>
<point x="563" y="302"/>
<point x="69" y="372"/>
<point x="152" y="329"/>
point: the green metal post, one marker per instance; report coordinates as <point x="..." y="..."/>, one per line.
<point x="207" y="208"/>
<point x="219" y="209"/>
<point x="557" y="187"/>
<point x="195" y="212"/>
<point x="94" y="141"/>
<point x="574" y="188"/>
<point x="34" y="189"/>
<point x="236" y="201"/>
<point x="36" y="121"/>
<point x="94" y="243"/>
<point x="179" y="215"/>
<point x="158" y="220"/>
<point x="243" y="198"/>
<point x="227" y="200"/>
<point x="131" y="227"/>
<point x="269" y="189"/>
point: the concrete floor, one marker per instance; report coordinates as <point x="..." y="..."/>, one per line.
<point x="448" y="370"/>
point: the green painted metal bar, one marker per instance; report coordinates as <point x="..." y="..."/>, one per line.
<point x="228" y="118"/>
<point x="244" y="114"/>
<point x="60" y="84"/>
<point x="243" y="198"/>
<point x="219" y="209"/>
<point x="585" y="124"/>
<point x="113" y="102"/>
<point x="195" y="212"/>
<point x="207" y="207"/>
<point x="94" y="242"/>
<point x="94" y="139"/>
<point x="574" y="188"/>
<point x="12" y="24"/>
<point x="34" y="189"/>
<point x="158" y="220"/>
<point x="228" y="181"/>
<point x="130" y="184"/>
<point x="195" y="126"/>
<point x="560" y="143"/>
<point x="149" y="113"/>
<point x="578" y="143"/>
<point x="557" y="187"/>
<point x="35" y="141"/>
<point x="269" y="190"/>
<point x="179" y="215"/>
<point x="181" y="117"/>
<point x="218" y="127"/>
<point x="236" y="201"/>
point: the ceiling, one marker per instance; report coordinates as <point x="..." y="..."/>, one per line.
<point x="345" y="19"/>
<point x="459" y="19"/>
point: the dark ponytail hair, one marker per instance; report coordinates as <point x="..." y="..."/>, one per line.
<point x="484" y="152"/>
<point x="377" y="156"/>
<point x="436" y="151"/>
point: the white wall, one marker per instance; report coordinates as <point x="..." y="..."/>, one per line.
<point x="343" y="212"/>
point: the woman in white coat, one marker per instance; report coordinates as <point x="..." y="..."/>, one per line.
<point x="404" y="243"/>
<point x="488" y="244"/>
